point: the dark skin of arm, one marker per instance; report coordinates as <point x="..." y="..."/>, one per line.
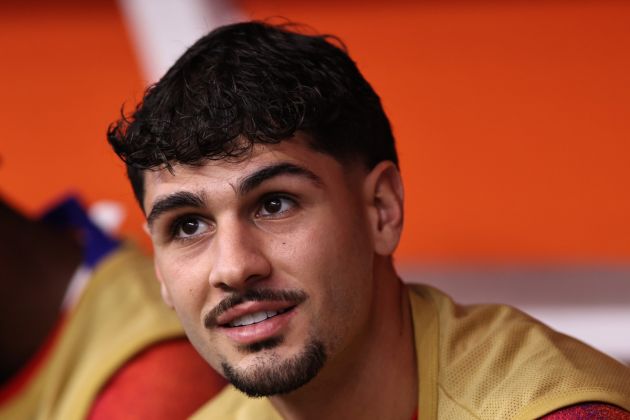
<point x="36" y="265"/>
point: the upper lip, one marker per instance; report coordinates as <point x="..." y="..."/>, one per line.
<point x="250" y="307"/>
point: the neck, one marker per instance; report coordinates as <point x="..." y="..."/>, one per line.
<point x="377" y="376"/>
<point x="36" y="264"/>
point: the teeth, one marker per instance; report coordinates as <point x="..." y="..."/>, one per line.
<point x="257" y="317"/>
<point x="252" y="318"/>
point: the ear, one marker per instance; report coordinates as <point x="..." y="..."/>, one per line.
<point x="166" y="295"/>
<point x="383" y="191"/>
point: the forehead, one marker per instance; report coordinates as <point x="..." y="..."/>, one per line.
<point x="224" y="175"/>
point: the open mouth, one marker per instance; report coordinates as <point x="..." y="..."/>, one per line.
<point x="255" y="318"/>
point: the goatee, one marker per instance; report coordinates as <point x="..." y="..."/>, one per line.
<point x="271" y="376"/>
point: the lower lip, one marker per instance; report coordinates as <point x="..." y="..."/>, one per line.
<point x="260" y="331"/>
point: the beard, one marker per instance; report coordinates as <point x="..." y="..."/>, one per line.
<point x="271" y="376"/>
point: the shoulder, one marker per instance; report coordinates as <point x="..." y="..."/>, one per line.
<point x="119" y="315"/>
<point x="231" y="404"/>
<point x="125" y="269"/>
<point x="121" y="312"/>
<point x="126" y="281"/>
<point x="496" y="361"/>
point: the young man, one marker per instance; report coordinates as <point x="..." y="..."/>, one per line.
<point x="267" y="170"/>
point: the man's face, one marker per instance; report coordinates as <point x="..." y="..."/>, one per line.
<point x="267" y="261"/>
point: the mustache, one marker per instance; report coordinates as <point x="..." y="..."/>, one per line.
<point x="253" y="295"/>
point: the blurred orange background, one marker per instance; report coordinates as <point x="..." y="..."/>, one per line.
<point x="512" y="118"/>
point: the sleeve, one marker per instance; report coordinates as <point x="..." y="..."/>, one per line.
<point x="167" y="381"/>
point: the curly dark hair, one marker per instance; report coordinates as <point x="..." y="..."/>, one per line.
<point x="251" y="83"/>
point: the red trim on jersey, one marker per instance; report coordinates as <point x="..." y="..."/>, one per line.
<point x="167" y="381"/>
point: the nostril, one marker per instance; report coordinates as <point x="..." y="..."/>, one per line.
<point x="224" y="287"/>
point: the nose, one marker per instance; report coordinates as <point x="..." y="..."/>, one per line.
<point x="238" y="257"/>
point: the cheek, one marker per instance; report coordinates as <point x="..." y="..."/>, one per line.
<point x="185" y="283"/>
<point x="187" y="288"/>
<point x="332" y="262"/>
<point x="335" y="234"/>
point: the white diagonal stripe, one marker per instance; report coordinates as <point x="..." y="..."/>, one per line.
<point x="162" y="30"/>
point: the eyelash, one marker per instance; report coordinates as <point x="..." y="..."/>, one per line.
<point x="175" y="227"/>
<point x="277" y="196"/>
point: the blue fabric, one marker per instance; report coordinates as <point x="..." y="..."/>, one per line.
<point x="69" y="214"/>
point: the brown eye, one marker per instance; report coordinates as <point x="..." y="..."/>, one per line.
<point x="273" y="205"/>
<point x="190" y="226"/>
<point x="276" y="206"/>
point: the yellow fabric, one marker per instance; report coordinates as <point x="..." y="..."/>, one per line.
<point x="119" y="314"/>
<point x="495" y="362"/>
<point x="481" y="362"/>
<point x="231" y="404"/>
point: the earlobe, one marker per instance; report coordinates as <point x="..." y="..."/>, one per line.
<point x="384" y="192"/>
<point x="166" y="295"/>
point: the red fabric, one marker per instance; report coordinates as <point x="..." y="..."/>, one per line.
<point x="167" y="381"/>
<point x="589" y="411"/>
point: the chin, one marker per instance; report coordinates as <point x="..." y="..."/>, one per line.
<point x="268" y="373"/>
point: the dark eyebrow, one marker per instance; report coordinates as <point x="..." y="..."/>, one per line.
<point x="174" y="201"/>
<point x="253" y="180"/>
